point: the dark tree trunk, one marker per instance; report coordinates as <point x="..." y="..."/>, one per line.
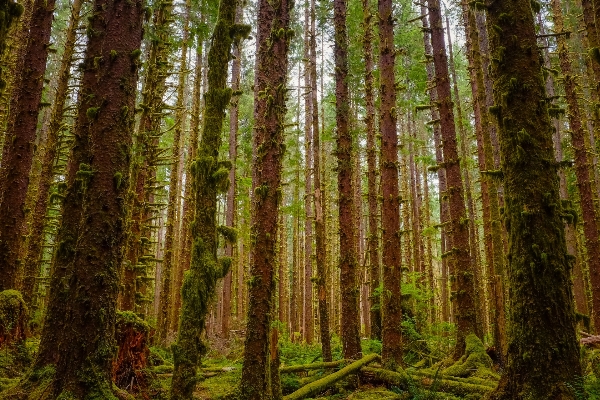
<point x="35" y="240"/>
<point x="392" y="269"/>
<point x="273" y="38"/>
<point x="320" y="239"/>
<point x="11" y="11"/>
<point x="543" y="353"/>
<point x="210" y="178"/>
<point x="17" y="154"/>
<point x="350" y="324"/>
<point x="459" y="256"/>
<point x="78" y="335"/>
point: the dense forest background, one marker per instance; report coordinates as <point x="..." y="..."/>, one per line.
<point x="265" y="199"/>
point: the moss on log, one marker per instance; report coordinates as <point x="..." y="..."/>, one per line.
<point x="308" y="367"/>
<point x="320" y="385"/>
<point x="404" y="381"/>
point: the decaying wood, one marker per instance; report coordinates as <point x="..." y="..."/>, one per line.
<point x="308" y="367"/>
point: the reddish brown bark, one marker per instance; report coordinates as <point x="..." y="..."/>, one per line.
<point x="373" y="236"/>
<point x="19" y="142"/>
<point x="582" y="163"/>
<point x="78" y="335"/>
<point x="273" y="36"/>
<point x="349" y="290"/>
<point x="391" y="261"/>
<point x="38" y="219"/>
<point x="463" y="277"/>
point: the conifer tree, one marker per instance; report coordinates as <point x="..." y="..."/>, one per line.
<point x="77" y="344"/>
<point x="543" y="354"/>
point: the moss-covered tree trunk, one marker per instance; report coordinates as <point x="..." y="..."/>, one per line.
<point x="210" y="178"/>
<point x="373" y="236"/>
<point x="441" y="172"/>
<point x="189" y="209"/>
<point x="77" y="344"/>
<point x="10" y="11"/>
<point x="350" y="323"/>
<point x="319" y="211"/>
<point x="463" y="287"/>
<point x="392" y="269"/>
<point x="543" y="354"/>
<point x="273" y="40"/>
<point x="236" y="69"/>
<point x="17" y="153"/>
<point x="170" y="249"/>
<point x="38" y="217"/>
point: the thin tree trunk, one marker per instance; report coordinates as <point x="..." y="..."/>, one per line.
<point x="392" y="269"/>
<point x="459" y="255"/>
<point x="350" y="325"/>
<point x="21" y="133"/>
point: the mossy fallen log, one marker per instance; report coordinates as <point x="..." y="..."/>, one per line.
<point x="404" y="381"/>
<point x="308" y="367"/>
<point x="472" y="380"/>
<point x="323" y="383"/>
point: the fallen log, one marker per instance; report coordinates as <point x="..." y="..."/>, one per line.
<point x="318" y="386"/>
<point x="590" y="341"/>
<point x="404" y="381"/>
<point x="308" y="367"/>
<point x="471" y="380"/>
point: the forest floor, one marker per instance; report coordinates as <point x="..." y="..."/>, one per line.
<point x="427" y="373"/>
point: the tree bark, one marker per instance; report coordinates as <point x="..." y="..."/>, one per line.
<point x="391" y="334"/>
<point x="540" y="293"/>
<point x="459" y="256"/>
<point x="21" y="133"/>
<point x="350" y="324"/>
<point x="273" y="38"/>
<point x="78" y="335"/>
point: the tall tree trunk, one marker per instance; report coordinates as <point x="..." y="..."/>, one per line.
<point x="392" y="269"/>
<point x="231" y="201"/>
<point x="480" y="304"/>
<point x="582" y="162"/>
<point x="273" y="38"/>
<point x="350" y="324"/>
<point x="35" y="239"/>
<point x="21" y="133"/>
<point x="210" y="178"/>
<point x="189" y="200"/>
<point x="373" y="237"/>
<point x="540" y="295"/>
<point x="441" y="172"/>
<point x="78" y="336"/>
<point x="166" y="300"/>
<point x="11" y="11"/>
<point x="319" y="206"/>
<point x="308" y="323"/>
<point x="460" y="258"/>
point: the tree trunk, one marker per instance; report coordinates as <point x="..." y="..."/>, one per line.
<point x="38" y="219"/>
<point x="166" y="300"/>
<point x="582" y="162"/>
<point x="21" y="133"/>
<point x="320" y="239"/>
<point x="392" y="269"/>
<point x="459" y="257"/>
<point x="273" y="38"/>
<point x="78" y="335"/>
<point x="541" y="299"/>
<point x="210" y="178"/>
<point x="350" y="324"/>
<point x="11" y="11"/>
